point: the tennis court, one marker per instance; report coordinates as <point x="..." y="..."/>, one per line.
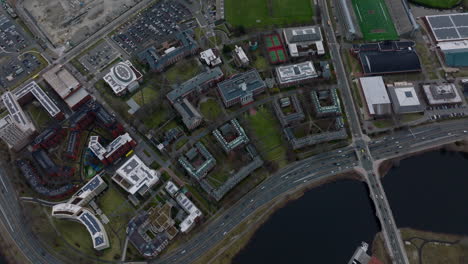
<point x="275" y="49"/>
<point x="374" y="20"/>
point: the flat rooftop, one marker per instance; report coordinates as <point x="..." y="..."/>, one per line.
<point x="14" y="109"/>
<point x="62" y="81"/>
<point x="375" y="91"/>
<point x="442" y="94"/>
<point x="194" y="83"/>
<point x="241" y="84"/>
<point x="453" y="45"/>
<point x="449" y="27"/>
<point x="134" y="175"/>
<point x="296" y="72"/>
<point x="34" y="89"/>
<point x="302" y="34"/>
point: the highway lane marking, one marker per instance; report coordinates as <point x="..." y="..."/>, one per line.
<point x="3" y="183"/>
<point x="6" y="218"/>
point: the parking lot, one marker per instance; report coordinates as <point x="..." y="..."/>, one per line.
<point x="14" y="69"/>
<point x="446" y="111"/>
<point x="99" y="57"/>
<point x="11" y="38"/>
<point x="157" y="23"/>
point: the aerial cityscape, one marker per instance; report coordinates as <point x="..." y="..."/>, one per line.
<point x="233" y="131"/>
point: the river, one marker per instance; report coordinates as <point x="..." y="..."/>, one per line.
<point x="430" y="192"/>
<point x="324" y="226"/>
<point x="427" y="192"/>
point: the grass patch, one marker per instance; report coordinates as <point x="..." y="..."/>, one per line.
<point x="268" y="135"/>
<point x="155" y="119"/>
<point x="38" y="115"/>
<point x="182" y="71"/>
<point x="111" y="200"/>
<point x="181" y="143"/>
<point x="75" y="234"/>
<point x="434" y="252"/>
<point x="260" y="62"/>
<point x="210" y="109"/>
<point x="357" y="95"/>
<point x="384" y="123"/>
<point x="200" y="199"/>
<point x="118" y="104"/>
<point x="145" y="95"/>
<point x="411" y="117"/>
<point x="263" y="13"/>
<point x="437" y="3"/>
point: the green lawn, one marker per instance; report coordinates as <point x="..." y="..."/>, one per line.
<point x="268" y="134"/>
<point x="75" y="234"/>
<point x="78" y="236"/>
<point x="383" y="123"/>
<point x="260" y="62"/>
<point x="111" y="200"/>
<point x="210" y="109"/>
<point x="437" y="3"/>
<point x="38" y="115"/>
<point x="145" y="95"/>
<point x="261" y="13"/>
<point x="375" y="20"/>
<point x="411" y="117"/>
<point x="181" y="143"/>
<point x="156" y="119"/>
<point x="182" y="71"/>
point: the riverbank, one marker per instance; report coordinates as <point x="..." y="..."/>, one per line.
<point x="387" y="165"/>
<point x="431" y="248"/>
<point x="237" y="239"/>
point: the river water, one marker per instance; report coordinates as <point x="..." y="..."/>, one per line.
<point x="427" y="192"/>
<point x="430" y="192"/>
<point x="324" y="226"/>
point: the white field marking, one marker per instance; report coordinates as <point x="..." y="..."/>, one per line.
<point x="383" y="11"/>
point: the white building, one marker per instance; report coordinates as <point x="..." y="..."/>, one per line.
<point x="123" y="77"/>
<point x="240" y="57"/>
<point x="87" y="218"/>
<point x="210" y="58"/>
<point x="15" y="127"/>
<point x="404" y="98"/>
<point x="134" y="176"/>
<point x="187" y="205"/>
<point x="376" y="96"/>
<point x="295" y="73"/>
<point x="106" y="154"/>
<point x="90" y="190"/>
<point x="302" y="41"/>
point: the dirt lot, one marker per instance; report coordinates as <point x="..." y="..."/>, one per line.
<point x="74" y="20"/>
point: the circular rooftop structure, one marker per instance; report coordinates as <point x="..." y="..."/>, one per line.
<point x="123" y="72"/>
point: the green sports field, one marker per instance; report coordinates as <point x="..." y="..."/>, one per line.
<point x="437" y="3"/>
<point x="374" y="20"/>
<point x="262" y="13"/>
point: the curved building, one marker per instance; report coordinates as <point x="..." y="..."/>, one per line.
<point x="89" y="220"/>
<point x="123" y="77"/>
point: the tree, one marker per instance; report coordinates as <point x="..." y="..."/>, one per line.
<point x="227" y="49"/>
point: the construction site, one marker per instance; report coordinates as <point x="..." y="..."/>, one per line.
<point x="68" y="22"/>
